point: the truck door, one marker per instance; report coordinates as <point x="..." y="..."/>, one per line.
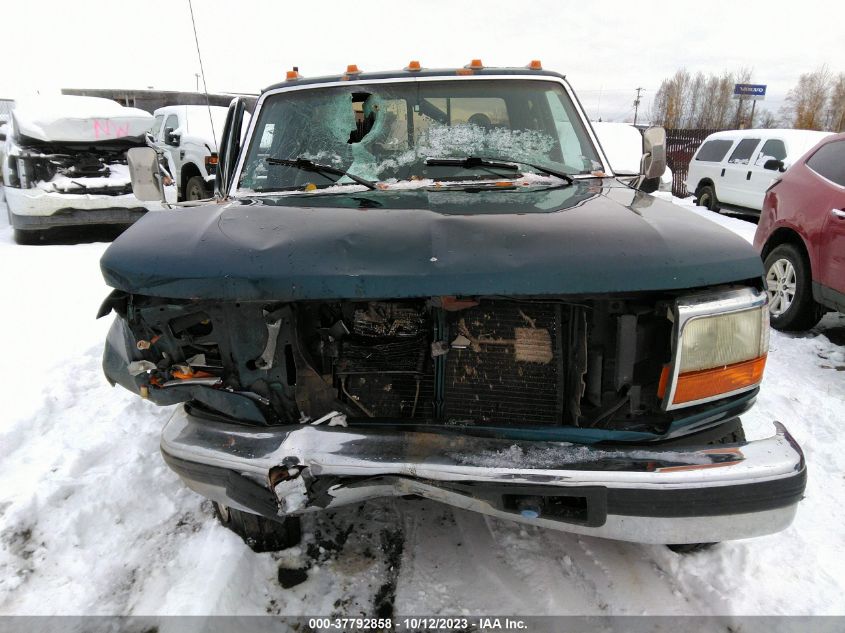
<point x="733" y="188"/>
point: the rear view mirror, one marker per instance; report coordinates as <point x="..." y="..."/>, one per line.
<point x="170" y="137"/>
<point x="145" y="174"/>
<point x="773" y="164"/>
<point x="653" y="162"/>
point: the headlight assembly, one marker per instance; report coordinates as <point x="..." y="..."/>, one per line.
<point x="721" y="349"/>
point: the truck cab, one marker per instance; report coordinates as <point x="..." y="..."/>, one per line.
<point x="186" y="136"/>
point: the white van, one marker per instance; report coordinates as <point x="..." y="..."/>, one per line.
<point x="732" y="169"/>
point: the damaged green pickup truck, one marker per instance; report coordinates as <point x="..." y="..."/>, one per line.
<point x="430" y="282"/>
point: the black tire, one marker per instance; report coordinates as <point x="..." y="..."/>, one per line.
<point x="802" y="312"/>
<point x="735" y="436"/>
<point x="706" y="197"/>
<point x="261" y="534"/>
<point x="196" y="189"/>
<point x="27" y="238"/>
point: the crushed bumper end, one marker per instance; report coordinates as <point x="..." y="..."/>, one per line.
<point x="691" y="495"/>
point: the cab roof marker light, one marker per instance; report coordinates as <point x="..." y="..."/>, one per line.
<point x="292" y="75"/>
<point x="352" y="69"/>
<point x="535" y="64"/>
<point x="475" y="64"/>
<point x="413" y="66"/>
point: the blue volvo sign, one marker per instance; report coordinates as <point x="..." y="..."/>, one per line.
<point x="749" y="91"/>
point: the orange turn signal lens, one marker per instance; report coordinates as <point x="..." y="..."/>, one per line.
<point x="707" y="383"/>
<point x="212" y="160"/>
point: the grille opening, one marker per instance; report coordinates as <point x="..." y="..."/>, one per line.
<point x="494" y="362"/>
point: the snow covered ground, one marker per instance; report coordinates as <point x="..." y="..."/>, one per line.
<point x="93" y="522"/>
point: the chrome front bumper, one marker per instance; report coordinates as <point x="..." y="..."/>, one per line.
<point x="691" y="495"/>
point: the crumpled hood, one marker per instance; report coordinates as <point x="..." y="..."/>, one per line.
<point x="581" y="239"/>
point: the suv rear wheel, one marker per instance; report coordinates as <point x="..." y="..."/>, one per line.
<point x="261" y="534"/>
<point x="789" y="285"/>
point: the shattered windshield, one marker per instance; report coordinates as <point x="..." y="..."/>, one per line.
<point x="384" y="132"/>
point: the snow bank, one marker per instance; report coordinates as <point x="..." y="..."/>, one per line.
<point x="67" y="118"/>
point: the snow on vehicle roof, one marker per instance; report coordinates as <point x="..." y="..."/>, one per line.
<point x="798" y="141"/>
<point x="71" y="118"/>
<point x="196" y="120"/>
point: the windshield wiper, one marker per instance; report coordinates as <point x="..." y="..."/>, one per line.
<point x="471" y="162"/>
<point x="308" y="165"/>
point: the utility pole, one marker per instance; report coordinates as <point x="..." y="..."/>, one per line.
<point x="637" y="104"/>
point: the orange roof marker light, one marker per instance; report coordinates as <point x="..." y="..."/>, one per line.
<point x="413" y="66"/>
<point x="475" y="64"/>
<point x="293" y="74"/>
<point x="535" y="65"/>
<point x="352" y="69"/>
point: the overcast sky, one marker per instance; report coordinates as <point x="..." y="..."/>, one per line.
<point x="606" y="50"/>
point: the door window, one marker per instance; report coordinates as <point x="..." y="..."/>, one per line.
<point x="172" y="122"/>
<point x="829" y="162"/>
<point x="157" y="126"/>
<point x="773" y="148"/>
<point x="744" y="151"/>
<point x="714" y="151"/>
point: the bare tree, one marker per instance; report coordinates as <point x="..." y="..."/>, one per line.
<point x="835" y="117"/>
<point x="806" y="106"/>
<point x="700" y="101"/>
<point x="767" y="119"/>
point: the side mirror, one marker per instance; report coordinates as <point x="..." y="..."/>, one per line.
<point x="774" y="164"/>
<point x="145" y="174"/>
<point x="170" y="137"/>
<point x="230" y="147"/>
<point x="653" y="162"/>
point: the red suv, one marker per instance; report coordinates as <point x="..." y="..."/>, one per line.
<point x="801" y="237"/>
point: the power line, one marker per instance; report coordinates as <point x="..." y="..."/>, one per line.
<point x="202" y="71"/>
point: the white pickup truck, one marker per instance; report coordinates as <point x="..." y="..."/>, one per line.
<point x="186" y="135"/>
<point x="65" y="164"/>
